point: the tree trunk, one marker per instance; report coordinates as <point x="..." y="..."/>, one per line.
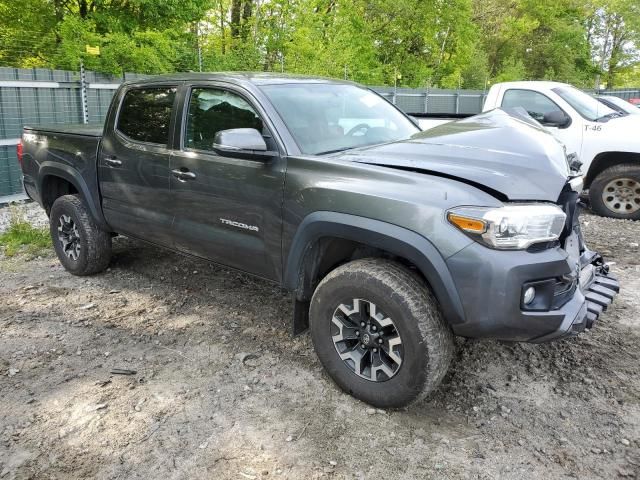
<point x="58" y="8"/>
<point x="604" y="52"/>
<point x="247" y="11"/>
<point x="236" y="6"/>
<point x="223" y="39"/>
<point x="617" y="43"/>
<point x="83" y="9"/>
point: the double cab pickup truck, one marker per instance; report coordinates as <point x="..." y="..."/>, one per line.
<point x="390" y="240"/>
<point x="601" y="132"/>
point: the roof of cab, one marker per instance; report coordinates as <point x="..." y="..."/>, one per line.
<point x="253" y="78"/>
<point x="533" y="84"/>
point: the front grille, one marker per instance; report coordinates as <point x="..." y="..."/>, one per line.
<point x="563" y="290"/>
<point x="542" y="246"/>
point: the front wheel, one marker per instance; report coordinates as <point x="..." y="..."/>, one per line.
<point x="379" y="332"/>
<point x="615" y="192"/>
<point x="82" y="247"/>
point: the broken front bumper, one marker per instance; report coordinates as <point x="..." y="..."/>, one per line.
<point x="491" y="292"/>
<point x="599" y="288"/>
<point x="600" y="295"/>
<point x="573" y="283"/>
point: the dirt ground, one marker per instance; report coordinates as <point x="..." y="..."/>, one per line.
<point x="222" y="391"/>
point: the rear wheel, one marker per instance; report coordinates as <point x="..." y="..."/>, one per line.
<point x="615" y="192"/>
<point x="82" y="247"/>
<point x="379" y="333"/>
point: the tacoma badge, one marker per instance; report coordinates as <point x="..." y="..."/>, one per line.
<point x="253" y="228"/>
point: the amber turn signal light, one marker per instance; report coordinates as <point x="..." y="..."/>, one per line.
<point x="471" y="225"/>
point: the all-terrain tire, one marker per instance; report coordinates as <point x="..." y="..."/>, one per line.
<point x="400" y="295"/>
<point x="93" y="251"/>
<point x="615" y="192"/>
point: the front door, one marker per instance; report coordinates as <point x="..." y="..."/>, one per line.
<point x="226" y="209"/>
<point x="134" y="165"/>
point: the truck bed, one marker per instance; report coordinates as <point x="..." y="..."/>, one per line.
<point x="69" y="152"/>
<point x="72" y="129"/>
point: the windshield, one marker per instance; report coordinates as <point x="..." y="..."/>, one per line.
<point x="325" y="118"/>
<point x="584" y="104"/>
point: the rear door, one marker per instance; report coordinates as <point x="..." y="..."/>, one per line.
<point x="228" y="210"/>
<point x="134" y="163"/>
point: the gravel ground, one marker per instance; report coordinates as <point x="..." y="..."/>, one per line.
<point x="27" y="211"/>
<point x="222" y="391"/>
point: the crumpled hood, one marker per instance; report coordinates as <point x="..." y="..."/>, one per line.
<point x="494" y="150"/>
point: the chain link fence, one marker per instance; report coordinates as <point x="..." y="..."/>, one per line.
<point x="42" y="96"/>
<point x="625" y="93"/>
<point x="434" y="100"/>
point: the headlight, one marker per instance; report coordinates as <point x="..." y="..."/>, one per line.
<point x="512" y="227"/>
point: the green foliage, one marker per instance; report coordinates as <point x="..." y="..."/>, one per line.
<point x="536" y="39"/>
<point x="629" y="77"/>
<point x="444" y="43"/>
<point x="23" y="237"/>
<point x="614" y="27"/>
<point x="512" y="70"/>
<point x="27" y="36"/>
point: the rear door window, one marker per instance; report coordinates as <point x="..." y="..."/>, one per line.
<point x="145" y="114"/>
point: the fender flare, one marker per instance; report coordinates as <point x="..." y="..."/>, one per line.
<point x="74" y="177"/>
<point x="385" y="236"/>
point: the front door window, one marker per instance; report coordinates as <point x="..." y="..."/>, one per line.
<point x="212" y="110"/>
<point x="536" y="104"/>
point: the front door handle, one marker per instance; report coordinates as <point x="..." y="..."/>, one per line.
<point x="183" y="175"/>
<point x="112" y="161"/>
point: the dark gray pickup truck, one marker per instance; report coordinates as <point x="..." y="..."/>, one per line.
<point x="390" y="240"/>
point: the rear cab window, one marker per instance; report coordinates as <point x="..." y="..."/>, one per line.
<point x="145" y="114"/>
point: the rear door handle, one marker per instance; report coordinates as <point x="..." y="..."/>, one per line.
<point x="183" y="175"/>
<point x="112" y="161"/>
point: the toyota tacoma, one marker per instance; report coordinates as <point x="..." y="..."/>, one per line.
<point x="390" y="240"/>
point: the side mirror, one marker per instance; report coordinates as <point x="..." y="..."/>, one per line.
<point x="556" y="118"/>
<point x="241" y="143"/>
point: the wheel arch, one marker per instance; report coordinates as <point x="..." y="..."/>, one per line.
<point x="605" y="160"/>
<point x="57" y="180"/>
<point x="324" y="240"/>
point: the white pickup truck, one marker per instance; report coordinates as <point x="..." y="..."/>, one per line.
<point x="606" y="142"/>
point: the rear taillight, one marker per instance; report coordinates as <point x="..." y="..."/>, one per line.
<point x="19" y="152"/>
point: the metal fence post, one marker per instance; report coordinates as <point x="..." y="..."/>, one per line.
<point x="457" y="101"/>
<point x="83" y="94"/>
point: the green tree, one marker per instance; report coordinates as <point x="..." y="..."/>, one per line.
<point x="444" y="43"/>
<point x="147" y="36"/>
<point x="535" y="39"/>
<point x="614" y="33"/>
<point x="27" y="33"/>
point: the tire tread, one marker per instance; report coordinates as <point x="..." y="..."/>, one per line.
<point x="98" y="242"/>
<point x="597" y="186"/>
<point x="411" y="289"/>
